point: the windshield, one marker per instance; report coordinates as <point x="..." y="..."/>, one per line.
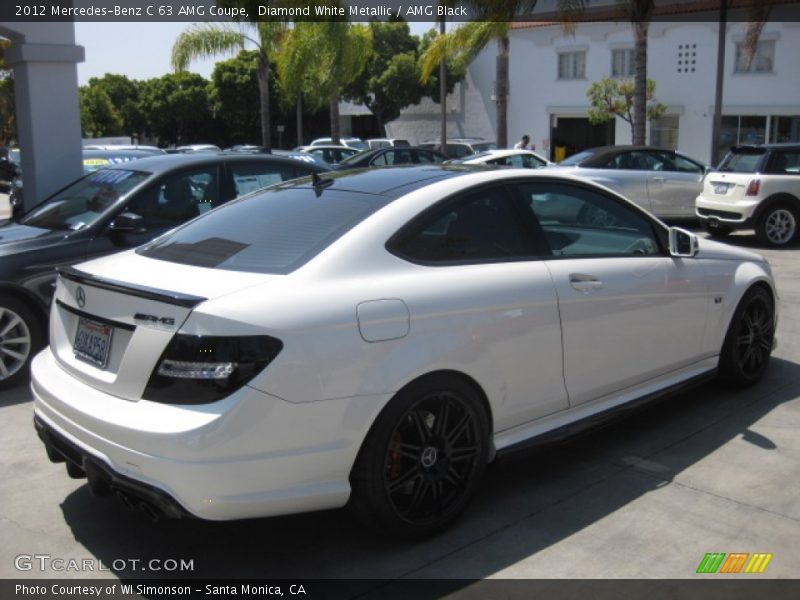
<point x="575" y="159"/>
<point x="483" y="146"/>
<point x="357" y="145"/>
<point x="741" y="162"/>
<point x="274" y="231"/>
<point x="80" y="204"/>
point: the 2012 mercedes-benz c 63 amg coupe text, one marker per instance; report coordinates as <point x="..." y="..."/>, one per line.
<point x="376" y="337"/>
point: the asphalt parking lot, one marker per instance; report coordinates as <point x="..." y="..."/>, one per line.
<point x="710" y="470"/>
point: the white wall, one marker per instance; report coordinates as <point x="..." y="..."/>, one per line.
<point x="536" y="93"/>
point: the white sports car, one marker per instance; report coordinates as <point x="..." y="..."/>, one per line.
<point x="376" y="337"/>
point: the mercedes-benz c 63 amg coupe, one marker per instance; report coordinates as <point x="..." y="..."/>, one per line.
<point x="375" y="337"/>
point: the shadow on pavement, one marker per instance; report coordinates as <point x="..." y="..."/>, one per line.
<point x="519" y="489"/>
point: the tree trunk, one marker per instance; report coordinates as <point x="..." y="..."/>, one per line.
<point x="717" y="125"/>
<point x="640" y="82"/>
<point x="263" y="89"/>
<point x="443" y="96"/>
<point x="501" y="92"/>
<point x="299" y="117"/>
<point x="334" y="108"/>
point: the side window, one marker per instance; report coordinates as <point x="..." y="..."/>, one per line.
<point x="674" y="162"/>
<point x="515" y="161"/>
<point x="458" y="150"/>
<point x="251" y="176"/>
<point x="178" y="198"/>
<point x="577" y="221"/>
<point x="426" y="157"/>
<point x="485" y="225"/>
<point x="636" y="161"/>
<point x="403" y="157"/>
<point x="380" y="160"/>
<point x="531" y="162"/>
<point x="784" y="163"/>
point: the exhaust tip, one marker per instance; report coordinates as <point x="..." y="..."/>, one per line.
<point x="150" y="511"/>
<point x="125" y="499"/>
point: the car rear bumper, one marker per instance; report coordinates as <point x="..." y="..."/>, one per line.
<point x="251" y="455"/>
<point x="739" y="214"/>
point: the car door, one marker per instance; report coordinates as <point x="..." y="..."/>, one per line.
<point x="625" y="173"/>
<point x="673" y="184"/>
<point x="490" y="297"/>
<point x="169" y="201"/>
<point x="630" y="313"/>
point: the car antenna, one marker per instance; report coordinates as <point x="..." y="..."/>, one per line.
<point x="320" y="182"/>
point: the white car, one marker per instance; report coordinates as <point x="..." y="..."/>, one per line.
<point x="376" y="337"/>
<point x="350" y="142"/>
<point x="524" y="159"/>
<point x="754" y="187"/>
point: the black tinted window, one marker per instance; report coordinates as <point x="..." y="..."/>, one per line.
<point x="273" y="232"/>
<point x="483" y="226"/>
<point x="785" y="163"/>
<point x="742" y="162"/>
<point x="580" y="222"/>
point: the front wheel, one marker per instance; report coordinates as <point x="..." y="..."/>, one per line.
<point x="748" y="342"/>
<point x="422" y="460"/>
<point x="20" y="337"/>
<point x="778" y="225"/>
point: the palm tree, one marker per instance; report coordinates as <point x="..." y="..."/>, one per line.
<point x="639" y="13"/>
<point x="212" y="39"/>
<point x="492" y="21"/>
<point x="320" y="59"/>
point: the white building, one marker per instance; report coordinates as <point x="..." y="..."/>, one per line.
<point x="550" y="72"/>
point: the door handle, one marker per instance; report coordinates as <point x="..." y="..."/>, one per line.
<point x="658" y="179"/>
<point x="584" y="283"/>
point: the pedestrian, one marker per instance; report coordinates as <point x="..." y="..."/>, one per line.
<point x="523" y="143"/>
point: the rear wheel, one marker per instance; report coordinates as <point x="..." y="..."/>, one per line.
<point x="748" y="343"/>
<point x="422" y="460"/>
<point x="778" y="225"/>
<point x="20" y="337"/>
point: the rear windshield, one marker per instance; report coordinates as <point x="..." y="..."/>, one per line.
<point x="742" y="162"/>
<point x="275" y="232"/>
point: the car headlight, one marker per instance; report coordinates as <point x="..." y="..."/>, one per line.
<point x="198" y="369"/>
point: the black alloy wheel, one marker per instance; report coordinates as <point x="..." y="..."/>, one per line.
<point x="749" y="340"/>
<point x="422" y="460"/>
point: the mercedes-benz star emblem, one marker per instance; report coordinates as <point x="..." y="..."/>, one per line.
<point x="429" y="456"/>
<point x="80" y="296"/>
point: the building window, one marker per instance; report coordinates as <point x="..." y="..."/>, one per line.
<point x="741" y="129"/>
<point x="664" y="132"/>
<point x="622" y="63"/>
<point x="572" y="65"/>
<point x="784" y="129"/>
<point x="763" y="58"/>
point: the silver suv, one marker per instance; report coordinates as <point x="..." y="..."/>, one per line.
<point x="754" y="187"/>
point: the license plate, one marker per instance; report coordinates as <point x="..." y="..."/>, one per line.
<point x="720" y="188"/>
<point x="93" y="342"/>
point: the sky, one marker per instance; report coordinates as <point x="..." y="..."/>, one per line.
<point x="142" y="50"/>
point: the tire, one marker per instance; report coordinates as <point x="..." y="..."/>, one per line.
<point x="748" y="342"/>
<point x="20" y="338"/>
<point x="777" y="226"/>
<point x="422" y="460"/>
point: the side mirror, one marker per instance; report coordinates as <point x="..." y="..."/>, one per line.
<point x="128" y="222"/>
<point x="682" y="242"/>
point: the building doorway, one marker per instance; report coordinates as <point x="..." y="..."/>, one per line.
<point x="570" y="135"/>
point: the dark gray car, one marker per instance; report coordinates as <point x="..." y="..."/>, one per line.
<point x="109" y="210"/>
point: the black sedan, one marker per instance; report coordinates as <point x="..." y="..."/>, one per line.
<point x="387" y="157"/>
<point x="109" y="210"/>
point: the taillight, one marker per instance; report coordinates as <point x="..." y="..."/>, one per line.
<point x="753" y="187"/>
<point x="201" y="369"/>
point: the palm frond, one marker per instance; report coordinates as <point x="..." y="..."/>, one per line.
<point x="206" y="40"/>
